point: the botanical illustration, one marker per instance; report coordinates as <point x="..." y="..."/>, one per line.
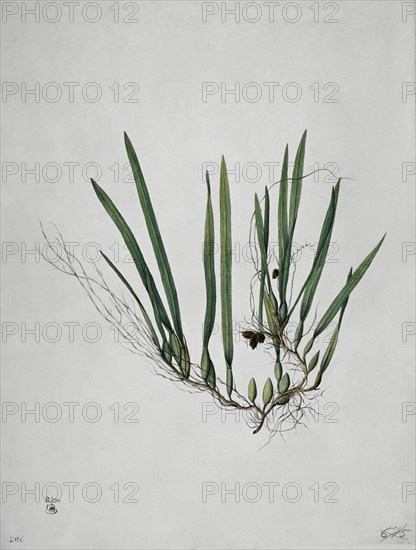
<point x="279" y="402"/>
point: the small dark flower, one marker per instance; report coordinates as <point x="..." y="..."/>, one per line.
<point x="256" y="338"/>
<point x="275" y="273"/>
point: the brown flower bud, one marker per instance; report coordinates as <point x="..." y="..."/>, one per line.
<point x="256" y="338"/>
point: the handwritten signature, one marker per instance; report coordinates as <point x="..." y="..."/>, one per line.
<point x="394" y="532"/>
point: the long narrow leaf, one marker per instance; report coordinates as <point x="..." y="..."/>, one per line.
<point x="345" y="303"/>
<point x="134" y="249"/>
<point x="132" y="292"/>
<point x="296" y="187"/>
<point x="156" y="239"/>
<point x="329" y="352"/>
<point x="326" y="359"/>
<point x="260" y="230"/>
<point x="346" y="290"/>
<point x="212" y="378"/>
<point x="266" y="228"/>
<point x="266" y="218"/>
<point x="283" y="230"/>
<point x="321" y="254"/>
<point x="262" y="238"/>
<point x="266" y="246"/>
<point x="209" y="269"/>
<point x="210" y="287"/>
<point x="226" y="284"/>
<point x="282" y="207"/>
<point x="295" y="195"/>
<point x="272" y="322"/>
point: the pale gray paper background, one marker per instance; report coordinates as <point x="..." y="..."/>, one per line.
<point x="172" y="452"/>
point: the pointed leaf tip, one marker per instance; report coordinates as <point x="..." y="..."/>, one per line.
<point x="349" y="286"/>
<point x="156" y="239"/>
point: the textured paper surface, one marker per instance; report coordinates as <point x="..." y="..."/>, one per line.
<point x="343" y="70"/>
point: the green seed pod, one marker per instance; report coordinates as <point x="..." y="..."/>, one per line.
<point x="313" y="362"/>
<point x="283" y="311"/>
<point x="211" y="380"/>
<point x="284" y="383"/>
<point x="166" y="352"/>
<point x="283" y="400"/>
<point x="267" y="392"/>
<point x="298" y="335"/>
<point x="175" y="347"/>
<point x="308" y="346"/>
<point x="205" y="361"/>
<point x="278" y="370"/>
<point x="252" y="390"/>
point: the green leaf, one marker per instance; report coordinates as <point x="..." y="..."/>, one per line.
<point x="298" y="335"/>
<point x="229" y="381"/>
<point x="346" y="290"/>
<point x="141" y="306"/>
<point x="268" y="298"/>
<point x="266" y="244"/>
<point x="283" y="230"/>
<point x="296" y="187"/>
<point x="205" y="363"/>
<point x="175" y="347"/>
<point x="308" y="347"/>
<point x="167" y="352"/>
<point x="252" y="390"/>
<point x="282" y="208"/>
<point x="284" y="383"/>
<point x="270" y="314"/>
<point x="318" y="265"/>
<point x="185" y="361"/>
<point x="329" y="352"/>
<point x="226" y="286"/>
<point x="209" y="269"/>
<point x="345" y="303"/>
<point x="261" y="300"/>
<point x="260" y="234"/>
<point x="261" y="238"/>
<point x="156" y="239"/>
<point x="295" y="195"/>
<point x="313" y="362"/>
<point x="211" y="380"/>
<point x="266" y="218"/>
<point x="134" y="249"/>
<point x="267" y="392"/>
